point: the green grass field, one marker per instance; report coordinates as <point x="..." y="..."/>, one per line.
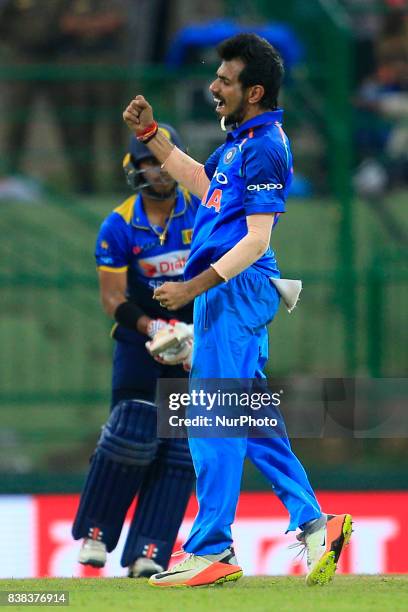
<point x="259" y="594"/>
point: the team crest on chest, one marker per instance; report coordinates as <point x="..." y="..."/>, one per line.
<point x="186" y="235"/>
<point x="230" y="155"/>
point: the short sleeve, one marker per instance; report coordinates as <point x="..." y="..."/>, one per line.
<point x="212" y="162"/>
<point x="267" y="173"/>
<point x="111" y="251"/>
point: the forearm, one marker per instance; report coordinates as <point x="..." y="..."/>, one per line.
<point x="111" y="300"/>
<point x="160" y="146"/>
<point x="183" y="168"/>
<point x="128" y="314"/>
<point x="240" y="257"/>
<point x="248" y="250"/>
<point x="202" y="282"/>
<point x="187" y="171"/>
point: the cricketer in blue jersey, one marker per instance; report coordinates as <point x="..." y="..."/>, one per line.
<point x="251" y="173"/>
<point x="143" y="243"/>
<point x="243" y="188"/>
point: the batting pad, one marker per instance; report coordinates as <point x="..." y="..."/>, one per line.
<point x="289" y="290"/>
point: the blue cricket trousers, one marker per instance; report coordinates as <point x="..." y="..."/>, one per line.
<point x="231" y="341"/>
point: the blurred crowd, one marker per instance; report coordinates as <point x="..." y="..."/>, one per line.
<point x="382" y="98"/>
<point x="63" y="34"/>
<point x="46" y="49"/>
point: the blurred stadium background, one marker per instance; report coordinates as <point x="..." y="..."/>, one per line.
<point x="67" y="69"/>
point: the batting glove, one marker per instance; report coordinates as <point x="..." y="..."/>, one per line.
<point x="172" y="344"/>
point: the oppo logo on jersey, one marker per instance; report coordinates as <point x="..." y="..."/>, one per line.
<point x="267" y="186"/>
<point x="221" y="178"/>
<point x="167" y="264"/>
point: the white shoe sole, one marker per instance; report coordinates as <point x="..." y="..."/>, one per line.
<point x="93" y="560"/>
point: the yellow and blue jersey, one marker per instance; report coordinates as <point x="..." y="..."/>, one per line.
<point x="128" y="242"/>
<point x="250" y="174"/>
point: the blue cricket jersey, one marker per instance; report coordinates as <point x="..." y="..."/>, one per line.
<point x="250" y="173"/>
<point x="127" y="242"/>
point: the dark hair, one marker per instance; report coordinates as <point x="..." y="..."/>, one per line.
<point x="263" y="64"/>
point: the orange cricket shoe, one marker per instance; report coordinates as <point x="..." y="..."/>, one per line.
<point x="198" y="570"/>
<point x="324" y="546"/>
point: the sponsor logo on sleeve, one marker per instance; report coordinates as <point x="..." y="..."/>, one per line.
<point x="221" y="178"/>
<point x="107" y="261"/>
<point x="266" y="186"/>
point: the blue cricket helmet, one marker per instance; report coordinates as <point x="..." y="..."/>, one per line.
<point x="139" y="151"/>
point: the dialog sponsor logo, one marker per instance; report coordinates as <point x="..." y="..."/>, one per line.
<point x="167" y="264"/>
<point x="267" y="186"/>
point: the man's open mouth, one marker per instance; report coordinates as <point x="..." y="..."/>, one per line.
<point x="220" y="103"/>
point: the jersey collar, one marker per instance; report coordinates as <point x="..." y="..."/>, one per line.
<point x="140" y="220"/>
<point x="258" y="121"/>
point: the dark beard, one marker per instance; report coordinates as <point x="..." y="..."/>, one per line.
<point x="237" y="116"/>
<point x="155" y="195"/>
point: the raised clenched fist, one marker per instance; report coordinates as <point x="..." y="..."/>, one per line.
<point x="138" y="115"/>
